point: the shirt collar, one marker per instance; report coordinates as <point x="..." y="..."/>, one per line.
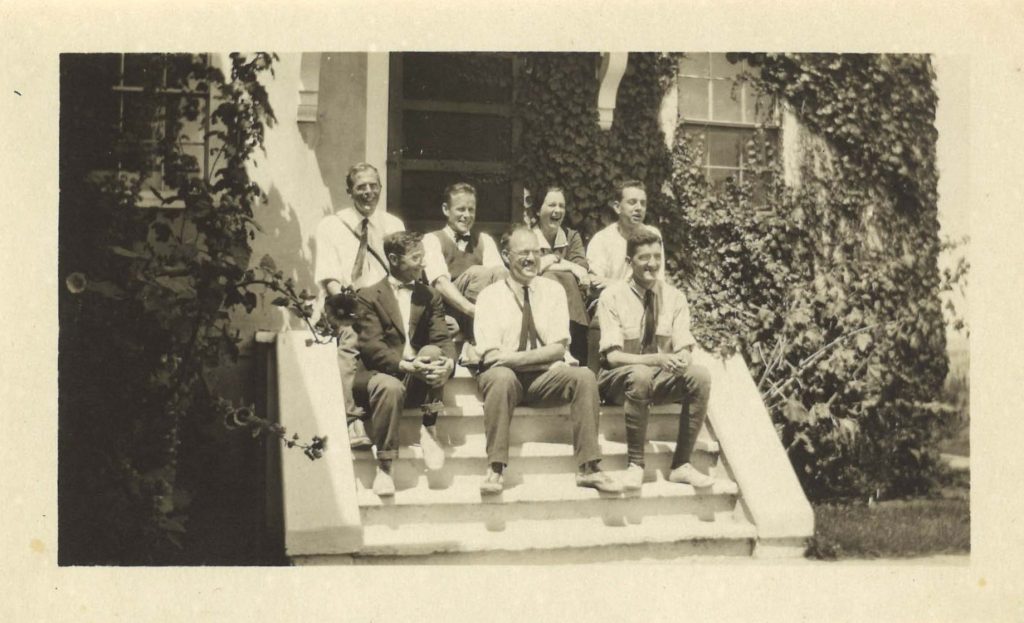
<point x="640" y="291"/>
<point x="451" y="233"/>
<point x="354" y="217"/>
<point x="396" y="284"/>
<point x="517" y="287"/>
<point x="560" y="240"/>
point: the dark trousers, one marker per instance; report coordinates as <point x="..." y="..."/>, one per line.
<point x="386" y="396"/>
<point x="504" y="389"/>
<point x="637" y="387"/>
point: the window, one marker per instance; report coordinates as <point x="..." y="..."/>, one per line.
<point x="452" y="118"/>
<point x="115" y="124"/>
<point x="722" y="113"/>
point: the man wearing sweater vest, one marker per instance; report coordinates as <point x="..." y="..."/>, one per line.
<point x="459" y="262"/>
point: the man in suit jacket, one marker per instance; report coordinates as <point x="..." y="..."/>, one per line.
<point x="406" y="351"/>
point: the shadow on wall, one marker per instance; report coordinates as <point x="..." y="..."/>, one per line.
<point x="283" y="239"/>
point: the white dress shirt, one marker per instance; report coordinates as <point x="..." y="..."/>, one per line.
<point x="499" y="315"/>
<point x="336" y="246"/>
<point x="404" y="298"/>
<point x="433" y="257"/>
<point x="606" y="254"/>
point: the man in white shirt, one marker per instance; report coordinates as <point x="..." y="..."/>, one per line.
<point x="646" y="349"/>
<point x="350" y="253"/>
<point x="406" y="351"/>
<point x="522" y="331"/>
<point x="606" y="252"/>
<point x="460" y="262"/>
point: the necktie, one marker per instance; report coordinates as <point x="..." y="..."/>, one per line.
<point x="528" y="331"/>
<point x="357" y="268"/>
<point x="650" y="320"/>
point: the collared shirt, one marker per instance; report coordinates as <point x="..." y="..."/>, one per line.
<point x="499" y="315"/>
<point x="621" y="311"/>
<point x="560" y="240"/>
<point x="433" y="257"/>
<point x="607" y="254"/>
<point x="337" y="246"/>
<point x="404" y="298"/>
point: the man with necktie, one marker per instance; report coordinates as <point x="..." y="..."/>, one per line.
<point x="522" y="334"/>
<point x="646" y="354"/>
<point x="406" y="351"/>
<point x="460" y="262"/>
<point x="350" y="253"/>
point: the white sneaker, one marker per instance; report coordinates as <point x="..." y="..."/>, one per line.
<point x="433" y="453"/>
<point x="383" y="484"/>
<point x="687" y="474"/>
<point x="633" y="479"/>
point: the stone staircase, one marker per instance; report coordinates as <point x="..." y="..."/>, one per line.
<point x="541" y="517"/>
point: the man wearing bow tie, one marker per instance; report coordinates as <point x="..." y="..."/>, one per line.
<point x="405" y="348"/>
<point x="522" y="333"/>
<point x="460" y="262"/>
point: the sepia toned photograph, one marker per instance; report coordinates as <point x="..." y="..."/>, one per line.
<point x="512" y="308"/>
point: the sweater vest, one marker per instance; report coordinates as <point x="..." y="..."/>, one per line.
<point x="458" y="261"/>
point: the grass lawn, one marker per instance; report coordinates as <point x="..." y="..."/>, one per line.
<point x="897" y="529"/>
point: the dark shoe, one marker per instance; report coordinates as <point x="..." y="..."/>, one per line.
<point x="493" y="483"/>
<point x="598" y="480"/>
<point x="357" y="436"/>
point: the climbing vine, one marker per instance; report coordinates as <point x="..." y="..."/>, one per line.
<point x="145" y="311"/>
<point x="830" y="288"/>
<point x="563" y="144"/>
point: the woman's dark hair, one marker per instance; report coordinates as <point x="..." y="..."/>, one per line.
<point x="537" y="196"/>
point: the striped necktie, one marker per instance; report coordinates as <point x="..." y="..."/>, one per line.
<point x="357" y="268"/>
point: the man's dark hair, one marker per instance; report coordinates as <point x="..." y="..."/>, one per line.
<point x="400" y="243"/>
<point x="506" y="237"/>
<point x="356" y="169"/>
<point x="640" y="237"/>
<point x="624" y="184"/>
<point x="458" y="187"/>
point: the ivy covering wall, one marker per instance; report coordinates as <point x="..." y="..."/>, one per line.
<point x="830" y="288"/>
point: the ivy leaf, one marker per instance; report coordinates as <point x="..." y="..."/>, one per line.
<point x="282" y="301"/>
<point x="863" y="341"/>
<point x="268" y="263"/>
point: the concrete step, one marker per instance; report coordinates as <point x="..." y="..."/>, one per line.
<point x="535" y="457"/>
<point x="546" y="424"/>
<point x="542" y="496"/>
<point x="552" y="541"/>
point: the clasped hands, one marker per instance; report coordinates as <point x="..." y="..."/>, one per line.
<point x="675" y="363"/>
<point x="434" y="371"/>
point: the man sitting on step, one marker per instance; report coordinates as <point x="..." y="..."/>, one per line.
<point x="646" y="352"/>
<point x="406" y="351"/>
<point x="522" y="331"/>
<point x="349" y="253"/>
<point x="460" y="262"/>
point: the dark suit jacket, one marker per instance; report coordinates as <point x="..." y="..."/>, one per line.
<point x="378" y="323"/>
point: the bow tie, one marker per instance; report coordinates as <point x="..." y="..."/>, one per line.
<point x="462" y="238"/>
<point x="407" y="286"/>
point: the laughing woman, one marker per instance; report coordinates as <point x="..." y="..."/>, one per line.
<point x="563" y="260"/>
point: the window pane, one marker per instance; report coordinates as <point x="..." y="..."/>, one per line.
<point x="694" y="64"/>
<point x="475" y="77"/>
<point x="455" y="136"/>
<point x="693" y="98"/>
<point x="724" y="106"/>
<point x="724" y="146"/>
<point x="699" y="137"/>
<point x="722" y="68"/>
<point x="718" y="177"/>
<point x="191" y="113"/>
<point x="142" y="69"/>
<point x="422" y="195"/>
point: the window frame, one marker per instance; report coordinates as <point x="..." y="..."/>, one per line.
<point x="397" y="163"/>
<point x="772" y="126"/>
